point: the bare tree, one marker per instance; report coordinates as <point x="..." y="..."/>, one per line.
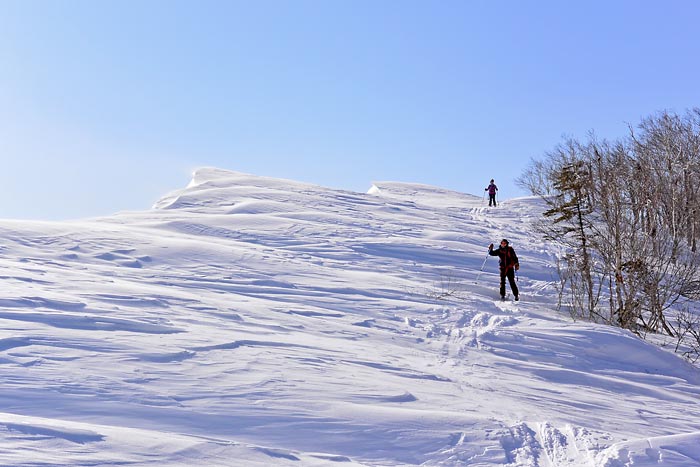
<point x="687" y="333"/>
<point x="566" y="176"/>
<point x="628" y="214"/>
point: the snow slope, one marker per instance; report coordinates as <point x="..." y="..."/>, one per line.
<point x="250" y="321"/>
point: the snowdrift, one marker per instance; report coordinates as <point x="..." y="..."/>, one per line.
<point x="251" y="321"/>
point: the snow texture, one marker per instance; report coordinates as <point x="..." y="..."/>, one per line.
<point x="250" y="321"/>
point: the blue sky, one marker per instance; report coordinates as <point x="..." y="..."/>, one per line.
<point x="107" y="105"/>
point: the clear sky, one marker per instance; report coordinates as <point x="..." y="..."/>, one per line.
<point x="107" y="105"/>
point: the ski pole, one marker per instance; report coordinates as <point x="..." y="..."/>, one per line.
<point x="482" y="268"/>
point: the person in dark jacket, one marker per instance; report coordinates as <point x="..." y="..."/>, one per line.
<point x="492" y="189"/>
<point x="508" y="263"/>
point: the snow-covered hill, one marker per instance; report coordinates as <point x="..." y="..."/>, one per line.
<point x="249" y="321"/>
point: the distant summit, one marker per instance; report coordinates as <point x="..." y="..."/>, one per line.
<point x="213" y="188"/>
<point x="417" y="192"/>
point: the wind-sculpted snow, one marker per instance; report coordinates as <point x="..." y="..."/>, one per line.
<point x="250" y="321"/>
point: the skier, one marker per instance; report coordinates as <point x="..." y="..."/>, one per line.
<point x="508" y="264"/>
<point x="492" y="189"/>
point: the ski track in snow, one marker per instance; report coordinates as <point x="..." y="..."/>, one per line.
<point x="254" y="321"/>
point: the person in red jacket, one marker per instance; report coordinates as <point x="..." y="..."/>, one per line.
<point x="508" y="263"/>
